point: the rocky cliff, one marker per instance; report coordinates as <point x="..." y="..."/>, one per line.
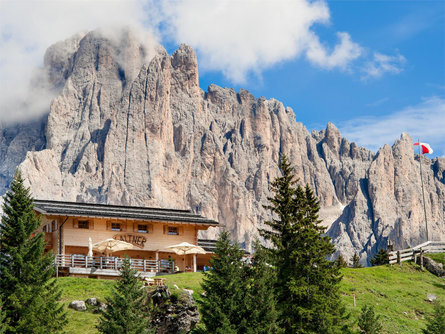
<point x="132" y="126"/>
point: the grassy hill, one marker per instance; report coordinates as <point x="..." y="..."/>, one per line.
<point x="397" y="293"/>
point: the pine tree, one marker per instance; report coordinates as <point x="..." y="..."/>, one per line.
<point x="29" y="293"/>
<point x="381" y="258"/>
<point x="222" y="307"/>
<point x="127" y="311"/>
<point x="368" y="321"/>
<point x="3" y="323"/>
<point x="436" y="322"/>
<point x="260" y="302"/>
<point x="341" y="262"/>
<point x="238" y="297"/>
<point x="356" y="261"/>
<point x="307" y="285"/>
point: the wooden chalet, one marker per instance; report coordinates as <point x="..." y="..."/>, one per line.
<point x="68" y="227"/>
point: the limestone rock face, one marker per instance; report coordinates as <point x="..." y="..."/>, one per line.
<point x="15" y="141"/>
<point x="132" y="126"/>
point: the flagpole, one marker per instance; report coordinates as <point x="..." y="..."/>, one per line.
<point x="423" y="191"/>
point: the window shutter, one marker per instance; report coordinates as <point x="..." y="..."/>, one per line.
<point x="75" y="223"/>
<point x="135" y="227"/>
<point x="181" y="230"/>
<point x="150" y="228"/>
<point x="123" y="227"/>
<point x="165" y="229"/>
<point x="108" y="225"/>
<point x="91" y="224"/>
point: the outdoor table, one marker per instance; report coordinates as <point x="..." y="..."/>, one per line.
<point x="159" y="281"/>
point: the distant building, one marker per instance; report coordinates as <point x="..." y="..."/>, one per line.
<point x="68" y="227"/>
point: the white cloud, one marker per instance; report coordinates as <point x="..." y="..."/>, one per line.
<point x="381" y="64"/>
<point x="245" y="36"/>
<point x="27" y="28"/>
<point x="342" y="55"/>
<point x="239" y="38"/>
<point x="425" y="121"/>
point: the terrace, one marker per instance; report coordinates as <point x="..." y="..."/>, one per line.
<point x="108" y="267"/>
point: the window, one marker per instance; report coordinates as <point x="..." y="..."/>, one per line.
<point x="142" y="228"/>
<point x="172" y="230"/>
<point x="116" y="227"/>
<point x="83" y="224"/>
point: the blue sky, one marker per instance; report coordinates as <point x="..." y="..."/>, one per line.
<point x="373" y="68"/>
<point x="414" y="30"/>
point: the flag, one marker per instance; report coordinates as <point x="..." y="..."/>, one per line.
<point x="426" y="148"/>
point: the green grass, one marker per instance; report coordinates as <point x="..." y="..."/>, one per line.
<point x="438" y="257"/>
<point x="191" y="281"/>
<point x="75" y="288"/>
<point x="397" y="293"/>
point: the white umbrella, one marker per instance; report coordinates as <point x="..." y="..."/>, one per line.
<point x="111" y="245"/>
<point x="90" y="247"/>
<point x="185" y="248"/>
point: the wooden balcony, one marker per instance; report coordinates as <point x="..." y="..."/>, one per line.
<point x="82" y="265"/>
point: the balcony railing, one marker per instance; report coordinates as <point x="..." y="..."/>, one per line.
<point x="115" y="263"/>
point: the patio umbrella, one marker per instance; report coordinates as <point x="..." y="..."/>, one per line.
<point x="185" y="248"/>
<point x="109" y="246"/>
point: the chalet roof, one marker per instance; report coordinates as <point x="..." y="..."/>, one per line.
<point x="210" y="245"/>
<point x="74" y="209"/>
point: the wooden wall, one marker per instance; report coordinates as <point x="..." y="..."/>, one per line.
<point x="75" y="239"/>
<point x="157" y="238"/>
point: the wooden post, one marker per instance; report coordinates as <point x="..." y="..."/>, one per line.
<point x="157" y="262"/>
<point x="72" y="260"/>
<point x="421" y="259"/>
<point x="100" y="262"/>
<point x="399" y="259"/>
<point x="86" y="261"/>
<point x="194" y="263"/>
<point x="57" y="268"/>
<point x="145" y="265"/>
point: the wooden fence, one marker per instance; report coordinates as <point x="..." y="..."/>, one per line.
<point x="411" y="253"/>
<point x="115" y="263"/>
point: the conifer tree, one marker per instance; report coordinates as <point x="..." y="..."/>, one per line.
<point x="238" y="297"/>
<point x="260" y="302"/>
<point x="436" y="322"/>
<point x="222" y="307"/>
<point x="29" y="293"/>
<point x="3" y="323"/>
<point x="127" y="311"/>
<point x="307" y="288"/>
<point x="368" y="321"/>
<point x="356" y="261"/>
<point x="380" y="258"/>
<point x="341" y="262"/>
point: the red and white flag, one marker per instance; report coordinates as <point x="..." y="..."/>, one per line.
<point x="426" y="148"/>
